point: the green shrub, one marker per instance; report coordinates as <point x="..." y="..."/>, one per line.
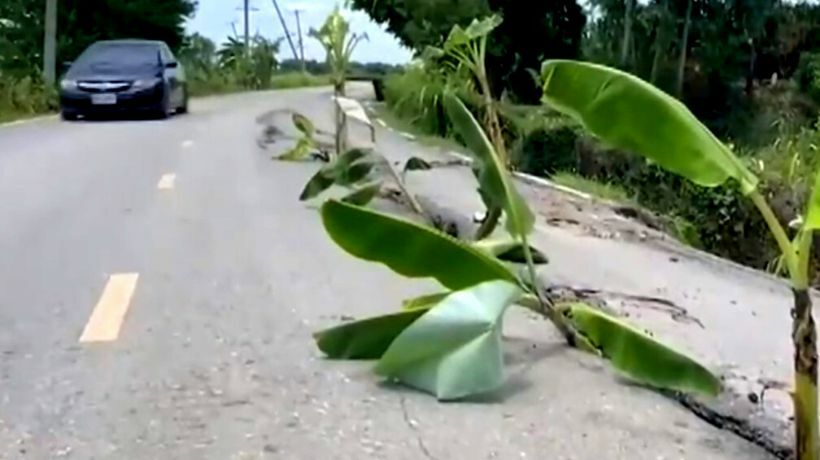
<point x="25" y="96"/>
<point x="219" y="81"/>
<point x="808" y="75"/>
<point x="297" y="80"/>
<point x="719" y="220"/>
<point x="605" y="190"/>
<point x="546" y="146"/>
<point x="415" y="95"/>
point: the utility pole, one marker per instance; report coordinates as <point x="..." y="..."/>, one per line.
<point x="246" y="10"/>
<point x="301" y="44"/>
<point x="247" y="35"/>
<point x="50" y="43"/>
<point x="285" y="27"/>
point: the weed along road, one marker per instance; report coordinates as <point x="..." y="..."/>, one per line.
<point x="160" y="282"/>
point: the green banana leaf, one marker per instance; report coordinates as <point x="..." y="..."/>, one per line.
<point x="356" y="171"/>
<point x="303" y="124"/>
<point x="300" y="151"/>
<point x="366" y="338"/>
<point x="638" y="355"/>
<point x="427" y="300"/>
<point x="813" y="213"/>
<point x="363" y="195"/>
<point x="454" y="350"/>
<point x="349" y="168"/>
<point x="408" y="248"/>
<point x="479" y="28"/>
<point x="510" y="251"/>
<point x="321" y="181"/>
<point x="493" y="179"/>
<point x="630" y="114"/>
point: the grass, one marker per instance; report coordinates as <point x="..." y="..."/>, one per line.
<point x="603" y="190"/>
<point x="405" y="126"/>
<point x="28" y="97"/>
<point x="222" y="82"/>
<point x="25" y="97"/>
<point x="298" y="80"/>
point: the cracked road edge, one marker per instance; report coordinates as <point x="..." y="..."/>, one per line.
<point x="412" y="425"/>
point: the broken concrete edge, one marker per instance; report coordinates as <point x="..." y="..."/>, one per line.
<point x="672" y="245"/>
<point x="731" y="411"/>
<point x="735" y="413"/>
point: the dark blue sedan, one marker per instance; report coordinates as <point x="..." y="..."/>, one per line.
<point x="124" y="77"/>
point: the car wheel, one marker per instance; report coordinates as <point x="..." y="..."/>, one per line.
<point x="69" y="116"/>
<point x="184" y="107"/>
<point x="164" y="110"/>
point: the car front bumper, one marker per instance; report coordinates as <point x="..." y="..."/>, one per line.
<point x="77" y="101"/>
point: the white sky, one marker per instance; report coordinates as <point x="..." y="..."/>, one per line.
<point x="214" y="17"/>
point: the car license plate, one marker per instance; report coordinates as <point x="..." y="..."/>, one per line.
<point x="104" y="99"/>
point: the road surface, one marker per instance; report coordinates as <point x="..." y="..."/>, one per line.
<point x="159" y="283"/>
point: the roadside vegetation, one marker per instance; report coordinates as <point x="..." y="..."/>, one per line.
<point x="758" y="91"/>
<point x="227" y="68"/>
<point x="212" y="68"/>
<point x="449" y="343"/>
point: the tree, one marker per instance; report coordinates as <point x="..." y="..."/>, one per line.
<point x="626" y="45"/>
<point x="339" y="43"/>
<point x="660" y="13"/>
<point x="82" y="22"/>
<point x="421" y="23"/>
<point x="231" y="52"/>
<point x="684" y="45"/>
<point x="530" y="33"/>
<point x="514" y="52"/>
<point x="198" y="52"/>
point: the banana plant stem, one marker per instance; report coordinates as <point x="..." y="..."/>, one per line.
<point x="804" y="337"/>
<point x="490" y="222"/>
<point x="400" y="183"/>
<point x="779" y="234"/>
<point x="804" y="334"/>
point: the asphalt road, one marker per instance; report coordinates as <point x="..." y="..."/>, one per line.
<point x="159" y="283"/>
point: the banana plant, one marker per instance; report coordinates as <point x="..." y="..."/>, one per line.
<point x="360" y="170"/>
<point x="465" y="50"/>
<point x="448" y="343"/>
<point x="630" y="114"/>
<point x="339" y="44"/>
<point x="306" y="144"/>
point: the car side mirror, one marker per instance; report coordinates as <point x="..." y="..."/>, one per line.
<point x="66" y="65"/>
<point x="171" y="64"/>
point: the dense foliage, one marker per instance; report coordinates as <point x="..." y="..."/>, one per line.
<point x="79" y="23"/>
<point x="747" y="68"/>
<point x="82" y="22"/>
<point x="558" y="26"/>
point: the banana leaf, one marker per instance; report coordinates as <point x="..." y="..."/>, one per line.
<point x="454" y="350"/>
<point x="638" y="355"/>
<point x="409" y="249"/>
<point x="630" y="114"/>
<point x="496" y="185"/>
<point x="367" y="338"/>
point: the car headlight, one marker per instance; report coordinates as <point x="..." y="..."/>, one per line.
<point x="143" y="84"/>
<point x="68" y="84"/>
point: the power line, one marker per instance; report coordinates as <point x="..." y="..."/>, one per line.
<point x="285" y="26"/>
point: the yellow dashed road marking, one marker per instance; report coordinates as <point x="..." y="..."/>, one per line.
<point x="166" y="182"/>
<point x="109" y="313"/>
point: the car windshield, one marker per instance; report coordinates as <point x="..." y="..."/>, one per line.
<point x="118" y="57"/>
